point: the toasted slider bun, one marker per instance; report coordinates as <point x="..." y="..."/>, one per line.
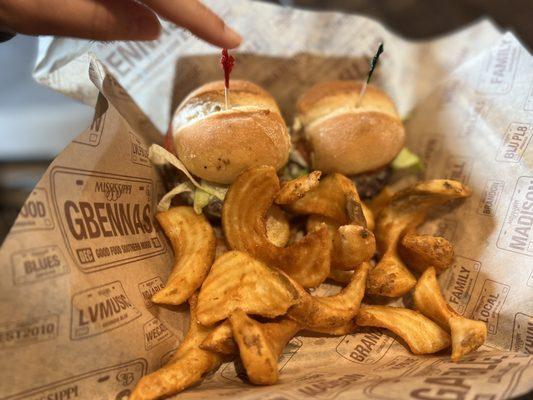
<point x="218" y="144"/>
<point x="346" y="138"/>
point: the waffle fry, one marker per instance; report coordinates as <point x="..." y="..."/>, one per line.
<point x="243" y="219"/>
<point x="194" y="243"/>
<point x="186" y="367"/>
<point x="237" y="280"/>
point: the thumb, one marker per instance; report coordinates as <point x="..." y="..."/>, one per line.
<point x="89" y="19"/>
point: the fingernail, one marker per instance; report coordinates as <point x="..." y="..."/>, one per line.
<point x="232" y="38"/>
<point x="146" y="28"/>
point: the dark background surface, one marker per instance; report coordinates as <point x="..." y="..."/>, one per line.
<point x="418" y="19"/>
<point x="414" y="19"/>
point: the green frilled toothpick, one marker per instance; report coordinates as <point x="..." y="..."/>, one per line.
<point x="373" y="64"/>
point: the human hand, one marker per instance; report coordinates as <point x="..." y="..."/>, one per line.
<point x="113" y="19"/>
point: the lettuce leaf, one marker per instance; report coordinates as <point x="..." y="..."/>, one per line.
<point x="203" y="198"/>
<point x="164" y="203"/>
<point x="203" y="193"/>
<point x="160" y="156"/>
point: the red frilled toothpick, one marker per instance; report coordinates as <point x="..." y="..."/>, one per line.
<point x="227" y="63"/>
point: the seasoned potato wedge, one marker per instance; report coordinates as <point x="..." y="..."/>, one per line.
<point x="422" y="251"/>
<point x="295" y="189"/>
<point x="406" y="210"/>
<point x="260" y="345"/>
<point x="352" y="244"/>
<point x="467" y="334"/>
<point x="336" y="198"/>
<point x="422" y="335"/>
<point x="331" y="314"/>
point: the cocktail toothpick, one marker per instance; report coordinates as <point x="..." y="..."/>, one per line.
<point x="373" y="64"/>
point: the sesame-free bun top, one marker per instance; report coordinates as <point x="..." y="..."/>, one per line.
<point x="218" y="144"/>
<point x="345" y="137"/>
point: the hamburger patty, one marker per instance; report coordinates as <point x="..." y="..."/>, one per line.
<point x="370" y="183"/>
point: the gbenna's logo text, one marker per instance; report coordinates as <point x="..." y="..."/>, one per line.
<point x="106" y="220"/>
<point x="112" y="191"/>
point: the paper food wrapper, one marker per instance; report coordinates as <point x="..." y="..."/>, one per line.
<point x="84" y="256"/>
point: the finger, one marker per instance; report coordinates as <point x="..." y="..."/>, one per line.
<point x="200" y="20"/>
<point x="89" y="19"/>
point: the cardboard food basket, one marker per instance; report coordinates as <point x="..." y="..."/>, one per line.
<point x="85" y="255"/>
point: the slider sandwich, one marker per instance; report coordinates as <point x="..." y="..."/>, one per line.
<point x="340" y="132"/>
<point x="215" y="143"/>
